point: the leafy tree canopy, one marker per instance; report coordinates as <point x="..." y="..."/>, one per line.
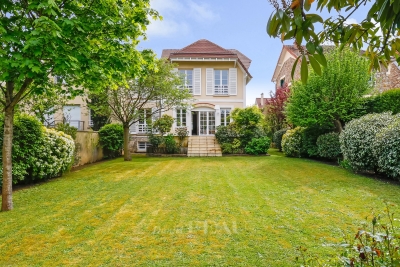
<point x="379" y="30"/>
<point x="328" y="100"/>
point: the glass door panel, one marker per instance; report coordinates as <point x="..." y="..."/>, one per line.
<point x="211" y="122"/>
<point x="203" y="122"/>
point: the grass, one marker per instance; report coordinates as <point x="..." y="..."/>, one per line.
<point x="229" y="211"/>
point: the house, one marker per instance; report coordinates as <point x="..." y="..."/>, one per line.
<point x="385" y="79"/>
<point x="217" y="78"/>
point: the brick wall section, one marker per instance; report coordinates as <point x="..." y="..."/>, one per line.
<point x="286" y="71"/>
<point x="384" y="81"/>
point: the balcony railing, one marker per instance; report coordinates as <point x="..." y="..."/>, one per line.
<point x="80" y="125"/>
<point x="143" y="128"/>
<point x="221" y="90"/>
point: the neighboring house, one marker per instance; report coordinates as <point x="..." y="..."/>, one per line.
<point x="386" y="79"/>
<point x="217" y="78"/>
<point x="261" y="102"/>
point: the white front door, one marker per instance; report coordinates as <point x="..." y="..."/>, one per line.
<point x="206" y="122"/>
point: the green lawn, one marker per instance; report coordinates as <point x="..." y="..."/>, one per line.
<point x="229" y="211"/>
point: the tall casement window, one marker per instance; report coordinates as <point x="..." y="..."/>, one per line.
<point x="181" y="117"/>
<point x="221" y="82"/>
<point x="225" y="112"/>
<point x="187" y="79"/>
<point x="145" y="120"/>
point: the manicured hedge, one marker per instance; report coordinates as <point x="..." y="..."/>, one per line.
<point x="329" y="146"/>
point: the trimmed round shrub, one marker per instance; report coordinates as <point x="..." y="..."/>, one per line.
<point x="329" y="146"/>
<point x="358" y="137"/>
<point x="386" y="150"/>
<point x="278" y="138"/>
<point x="292" y="142"/>
<point x="258" y="146"/>
<point x="112" y="139"/>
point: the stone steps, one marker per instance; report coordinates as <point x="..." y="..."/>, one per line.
<point x="203" y="146"/>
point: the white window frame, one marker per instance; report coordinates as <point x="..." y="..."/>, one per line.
<point x="220" y="88"/>
<point x="184" y="76"/>
<point x="180" y="114"/>
<point x="142" y="125"/>
<point x="146" y="145"/>
<point x="225" y="113"/>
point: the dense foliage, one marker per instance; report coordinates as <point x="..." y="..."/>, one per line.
<point x="38" y="153"/>
<point x="163" y="124"/>
<point x="171" y="146"/>
<point x="329" y="146"/>
<point x="111" y="139"/>
<point x="357" y="139"/>
<point x="386" y="149"/>
<point x="378" y="29"/>
<point x="225" y="134"/>
<point x="275" y="118"/>
<point x="387" y="101"/>
<point x="328" y="100"/>
<point x="68" y="129"/>
<point x="182" y="133"/>
<point x="258" y="146"/>
<point x="278" y="138"/>
<point x="292" y="142"/>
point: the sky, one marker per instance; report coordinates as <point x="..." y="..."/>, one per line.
<point x="231" y="24"/>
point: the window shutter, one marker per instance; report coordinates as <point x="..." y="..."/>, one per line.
<point x="233" y="81"/>
<point x="197" y="81"/>
<point x="209" y="81"/>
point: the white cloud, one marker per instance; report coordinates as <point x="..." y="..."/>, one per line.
<point x="202" y="12"/>
<point x="166" y="28"/>
<point x="178" y="16"/>
<point x="350" y="21"/>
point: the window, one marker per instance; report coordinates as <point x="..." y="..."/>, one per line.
<point x="282" y="82"/>
<point x="181" y="117"/>
<point x="221" y="82"/>
<point x="187" y="79"/>
<point x="225" y="112"/>
<point x="142" y="146"/>
<point x="145" y="120"/>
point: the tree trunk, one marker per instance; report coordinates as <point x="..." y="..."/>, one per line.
<point x="338" y="125"/>
<point x="7" y="203"/>
<point x="127" y="154"/>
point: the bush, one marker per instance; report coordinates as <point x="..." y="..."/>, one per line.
<point x="182" y="133"/>
<point x="155" y="141"/>
<point x="163" y="124"/>
<point x="278" y="138"/>
<point x="309" y="138"/>
<point x="329" y="146"/>
<point x="225" y="134"/>
<point x="111" y="139"/>
<point x="387" y="101"/>
<point x="258" y="146"/>
<point x="231" y="148"/>
<point x="292" y="142"/>
<point x="386" y="149"/>
<point x="66" y="128"/>
<point x="56" y="155"/>
<point x="37" y="152"/>
<point x="357" y="139"/>
<point x="170" y="144"/>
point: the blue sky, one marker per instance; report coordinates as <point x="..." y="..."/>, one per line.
<point x="231" y="24"/>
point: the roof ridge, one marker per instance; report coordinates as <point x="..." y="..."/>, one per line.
<point x="202" y="40"/>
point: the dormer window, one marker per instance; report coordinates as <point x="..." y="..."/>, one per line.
<point x="187" y="79"/>
<point x="221" y="82"/>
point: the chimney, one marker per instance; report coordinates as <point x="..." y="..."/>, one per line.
<point x="262" y="100"/>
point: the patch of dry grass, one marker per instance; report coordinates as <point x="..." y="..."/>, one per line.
<point x="233" y="211"/>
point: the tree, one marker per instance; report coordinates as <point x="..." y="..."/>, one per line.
<point x="98" y="120"/>
<point x="86" y="43"/>
<point x="157" y="88"/>
<point x="328" y="100"/>
<point x="274" y="109"/>
<point x="379" y="30"/>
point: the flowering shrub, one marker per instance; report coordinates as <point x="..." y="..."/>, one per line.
<point x="357" y="139"/>
<point x="386" y="149"/>
<point x="55" y="156"/>
<point x="292" y="142"/>
<point x="329" y="146"/>
<point x="38" y="152"/>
